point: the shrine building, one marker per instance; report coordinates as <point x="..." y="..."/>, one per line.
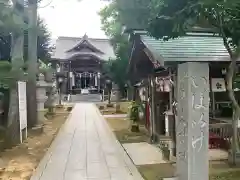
<point x="82" y="60"/>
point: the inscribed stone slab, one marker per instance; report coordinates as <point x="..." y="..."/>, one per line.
<point x="193" y="121"/>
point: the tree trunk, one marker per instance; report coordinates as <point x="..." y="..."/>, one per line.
<point x="32" y="62"/>
<point x="32" y="118"/>
<point x="118" y="106"/>
<point x="236" y="109"/>
<point x="60" y="96"/>
<point x="109" y="96"/>
<point x="12" y="136"/>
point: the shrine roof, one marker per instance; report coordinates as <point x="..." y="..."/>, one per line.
<point x="65" y="48"/>
<point x="200" y="47"/>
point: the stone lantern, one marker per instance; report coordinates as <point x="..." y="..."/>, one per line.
<point x="109" y="89"/>
<point x="60" y="76"/>
<point x="42" y="86"/>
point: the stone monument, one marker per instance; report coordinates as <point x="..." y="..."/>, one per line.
<point x="193" y="121"/>
<point x="115" y="95"/>
<point x="42" y="85"/>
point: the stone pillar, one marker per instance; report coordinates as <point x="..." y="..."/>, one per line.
<point x="99" y="80"/>
<point x="95" y="80"/>
<point x="73" y="80"/>
<point x="193" y="121"/>
<point x="90" y="79"/>
<point x="130" y="93"/>
<point x="79" y="85"/>
<point x="70" y="82"/>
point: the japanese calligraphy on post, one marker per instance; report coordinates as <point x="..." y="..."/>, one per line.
<point x="193" y="121"/>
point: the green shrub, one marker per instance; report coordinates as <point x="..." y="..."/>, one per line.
<point x="134" y="111"/>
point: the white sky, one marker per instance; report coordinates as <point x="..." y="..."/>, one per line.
<point x="72" y="17"/>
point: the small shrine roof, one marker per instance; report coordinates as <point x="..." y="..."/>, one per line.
<point x="200" y="47"/>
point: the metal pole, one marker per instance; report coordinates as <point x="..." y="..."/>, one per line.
<point x="170" y="92"/>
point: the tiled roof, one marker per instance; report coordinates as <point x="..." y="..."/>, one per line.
<point x="192" y="47"/>
<point x="64" y="44"/>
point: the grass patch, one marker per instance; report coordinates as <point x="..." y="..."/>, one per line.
<point x="124" y="106"/>
<point x="121" y="128"/>
<point x="156" y="171"/>
<point x="105" y="110"/>
<point x="109" y="111"/>
<point x="221" y="170"/>
<point x="126" y="136"/>
<point x="218" y="171"/>
<point x="233" y="175"/>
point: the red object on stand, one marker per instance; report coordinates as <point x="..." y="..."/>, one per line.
<point x="217" y="142"/>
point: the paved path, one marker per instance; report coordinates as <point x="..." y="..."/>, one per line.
<point x="86" y="149"/>
<point x="86" y="98"/>
<point x="115" y="116"/>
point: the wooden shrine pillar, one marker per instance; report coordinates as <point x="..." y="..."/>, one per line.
<point x="152" y="85"/>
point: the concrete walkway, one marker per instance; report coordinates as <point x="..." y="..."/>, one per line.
<point x="86" y="149"/>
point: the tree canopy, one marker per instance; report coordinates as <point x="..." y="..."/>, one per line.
<point x="44" y="46"/>
<point x="111" y="24"/>
<point x="170" y="18"/>
<point x="43" y="42"/>
<point x="11" y="21"/>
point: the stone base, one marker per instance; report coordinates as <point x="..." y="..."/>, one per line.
<point x="166" y="153"/>
<point x="135" y="128"/>
<point x="101" y="107"/>
<point x="110" y="105"/>
<point x="37" y="130"/>
<point x="153" y="139"/>
<point x="230" y="158"/>
<point x="69" y="109"/>
<point x="59" y="106"/>
<point x="41" y="116"/>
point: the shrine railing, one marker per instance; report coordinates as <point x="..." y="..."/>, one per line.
<point x="220" y="135"/>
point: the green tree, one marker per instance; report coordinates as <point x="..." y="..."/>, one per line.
<point x="111" y="24"/>
<point x="16" y="73"/>
<point x="165" y="19"/>
<point x="43" y="42"/>
<point x="10" y="21"/>
<point x="44" y="45"/>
